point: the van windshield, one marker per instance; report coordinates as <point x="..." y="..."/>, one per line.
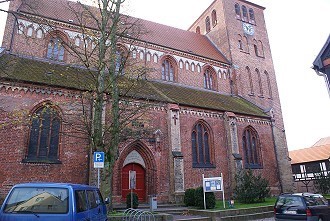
<point x="37" y="200"/>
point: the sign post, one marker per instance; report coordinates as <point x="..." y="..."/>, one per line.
<point x="213" y="184"/>
<point x="98" y="159"/>
<point x="132" y="183"/>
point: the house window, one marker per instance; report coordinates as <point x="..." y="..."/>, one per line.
<point x="55" y="49"/>
<point x="134" y="54"/>
<point x="192" y="67"/>
<point x="120" y="62"/>
<point x="214" y="18"/>
<point x="251" y="148"/>
<point x="261" y="91"/>
<point x="77" y="41"/>
<point x="187" y="65"/>
<point x="244" y="10"/>
<point x="207" y="24"/>
<point x="167" y="71"/>
<point x="141" y="55"/>
<point x="250" y="80"/>
<point x="148" y="56"/>
<point x="44" y="135"/>
<point x="208" y="80"/>
<point x="198" y="30"/>
<point x="181" y="64"/>
<point x="201" y="146"/>
<point x="237" y="11"/>
<point x="198" y="68"/>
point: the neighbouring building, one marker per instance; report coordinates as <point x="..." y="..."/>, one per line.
<point x="216" y="106"/>
<point x="321" y="65"/>
<point x="310" y="163"/>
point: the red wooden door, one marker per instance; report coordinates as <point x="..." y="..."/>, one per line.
<point x="140" y="181"/>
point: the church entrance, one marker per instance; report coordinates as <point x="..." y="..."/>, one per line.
<point x="140" y="181"/>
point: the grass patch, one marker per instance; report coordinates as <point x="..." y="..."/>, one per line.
<point x="268" y="202"/>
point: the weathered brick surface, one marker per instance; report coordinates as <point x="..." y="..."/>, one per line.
<point x="158" y="157"/>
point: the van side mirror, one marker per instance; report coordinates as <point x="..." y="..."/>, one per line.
<point x="107" y="200"/>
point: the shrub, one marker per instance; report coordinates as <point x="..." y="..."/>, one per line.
<point x="322" y="184"/>
<point x="199" y="199"/>
<point x="135" y="200"/>
<point x="189" y="197"/>
<point x="250" y="188"/>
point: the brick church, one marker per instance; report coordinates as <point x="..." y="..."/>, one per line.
<point x="216" y="106"/>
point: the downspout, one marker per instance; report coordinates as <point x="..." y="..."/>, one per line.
<point x="276" y="158"/>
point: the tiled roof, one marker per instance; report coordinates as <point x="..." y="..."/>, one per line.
<point x="154" y="33"/>
<point x="14" y="68"/>
<point x="319" y="151"/>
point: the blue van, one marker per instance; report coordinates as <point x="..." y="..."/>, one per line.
<point x="53" y="202"/>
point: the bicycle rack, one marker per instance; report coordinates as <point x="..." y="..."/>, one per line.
<point x="138" y="215"/>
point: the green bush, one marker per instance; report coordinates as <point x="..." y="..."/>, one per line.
<point x="135" y="200"/>
<point x="199" y="199"/>
<point x="250" y="188"/>
<point x="322" y="184"/>
<point x="189" y="197"/>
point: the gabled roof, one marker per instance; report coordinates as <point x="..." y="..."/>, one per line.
<point x="155" y="33"/>
<point x="37" y="72"/>
<point x="318" y="152"/>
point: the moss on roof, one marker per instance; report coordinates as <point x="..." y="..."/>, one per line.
<point x="15" y="68"/>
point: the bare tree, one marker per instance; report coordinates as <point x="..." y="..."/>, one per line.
<point x="105" y="75"/>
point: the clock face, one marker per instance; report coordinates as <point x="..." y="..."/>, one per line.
<point x="248" y="29"/>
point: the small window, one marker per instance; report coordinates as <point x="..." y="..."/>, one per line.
<point x="240" y="44"/>
<point x="219" y="73"/>
<point x="207" y="24"/>
<point x="155" y="58"/>
<point x="198" y="30"/>
<point x="208" y="80"/>
<point x="237" y="10"/>
<point x="55" y="49"/>
<point x="192" y="67"/>
<point x="181" y="64"/>
<point x="244" y="10"/>
<point x="134" y="53"/>
<point x="198" y="68"/>
<point x="167" y="70"/>
<point x="255" y="49"/>
<point x="187" y="66"/>
<point x="77" y="41"/>
<point x="141" y="55"/>
<point x="148" y="56"/>
<point x="251" y="14"/>
<point x="120" y="62"/>
<point x="40" y="33"/>
<point x="214" y="18"/>
<point x="29" y="31"/>
<point x="20" y="29"/>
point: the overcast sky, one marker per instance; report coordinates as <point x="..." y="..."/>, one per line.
<point x="297" y="30"/>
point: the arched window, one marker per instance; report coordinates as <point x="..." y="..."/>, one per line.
<point x="237" y="10"/>
<point x="167" y="70"/>
<point x="77" y="41"/>
<point x="251" y="148"/>
<point x="40" y="33"/>
<point x="198" y="68"/>
<point x="270" y="93"/>
<point x="155" y="58"/>
<point x="207" y="24"/>
<point x="134" y="53"/>
<point x="214" y="18"/>
<point x="240" y="43"/>
<point x="29" y="31"/>
<point x="261" y="91"/>
<point x="44" y="135"/>
<point x="20" y="29"/>
<point x="209" y="80"/>
<point x="187" y="66"/>
<point x="55" y="49"/>
<point x="121" y="56"/>
<point x="250" y="80"/>
<point x="261" y="49"/>
<point x="148" y="56"/>
<point x="201" y="146"/>
<point x="198" y="30"/>
<point x="181" y="64"/>
<point x="251" y="15"/>
<point x="141" y="55"/>
<point x="244" y="11"/>
<point x="192" y="67"/>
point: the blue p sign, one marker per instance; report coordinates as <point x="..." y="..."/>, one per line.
<point x="98" y="159"/>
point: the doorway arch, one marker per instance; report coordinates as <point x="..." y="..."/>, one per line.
<point x="140" y="187"/>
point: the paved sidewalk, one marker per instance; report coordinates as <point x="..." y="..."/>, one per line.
<point x="266" y="219"/>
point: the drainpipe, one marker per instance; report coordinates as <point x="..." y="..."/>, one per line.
<point x="276" y="158"/>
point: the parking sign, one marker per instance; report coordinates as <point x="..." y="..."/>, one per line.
<point x="98" y="159"/>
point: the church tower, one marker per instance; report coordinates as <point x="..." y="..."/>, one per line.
<point x="238" y="29"/>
